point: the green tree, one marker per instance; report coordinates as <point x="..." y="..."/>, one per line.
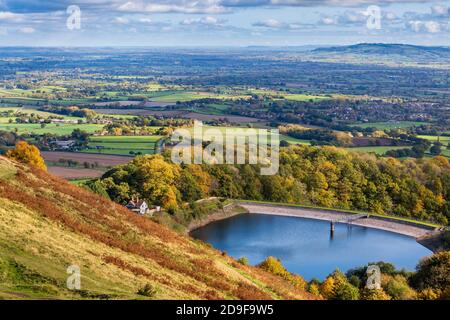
<point x="433" y="272"/>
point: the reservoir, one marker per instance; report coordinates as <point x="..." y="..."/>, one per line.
<point x="305" y="246"/>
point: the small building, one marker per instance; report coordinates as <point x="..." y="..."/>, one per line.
<point x="139" y="206"/>
<point x="64" y="145"/>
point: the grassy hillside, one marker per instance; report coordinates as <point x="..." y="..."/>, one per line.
<point x="47" y="224"/>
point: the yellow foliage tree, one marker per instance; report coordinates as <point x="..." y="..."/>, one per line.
<point x="158" y="179"/>
<point x="27" y="154"/>
<point x="374" y="294"/>
<point x="327" y="288"/>
<point x="428" y="294"/>
<point x="169" y="199"/>
<point x="314" y="289"/>
<point x="204" y="180"/>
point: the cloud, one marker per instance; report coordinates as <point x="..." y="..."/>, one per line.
<point x="316" y="3"/>
<point x="146" y="20"/>
<point x="357" y="17"/>
<point x="204" y="21"/>
<point x="275" y="24"/>
<point x="329" y="21"/>
<point x="434" y="22"/>
<point x="440" y="10"/>
<point x="121" y="20"/>
<point x="10" y="16"/>
<point x="27" y="30"/>
<point x="270" y="23"/>
<point x="174" y="6"/>
<point x="424" y="26"/>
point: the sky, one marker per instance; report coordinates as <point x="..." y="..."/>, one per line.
<point x="179" y="23"/>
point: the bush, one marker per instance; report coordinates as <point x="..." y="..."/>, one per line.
<point x="275" y="267"/>
<point x="244" y="261"/>
<point x="346" y="291"/>
<point x="374" y="294"/>
<point x="148" y="291"/>
<point x="397" y="287"/>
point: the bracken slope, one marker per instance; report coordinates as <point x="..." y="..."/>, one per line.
<point x="47" y="225"/>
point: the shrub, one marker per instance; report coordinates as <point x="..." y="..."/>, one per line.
<point x="428" y="294"/>
<point x="374" y="294"/>
<point x="275" y="267"/>
<point x="244" y="261"/>
<point x="148" y="291"/>
<point x="397" y="287"/>
<point x="346" y="291"/>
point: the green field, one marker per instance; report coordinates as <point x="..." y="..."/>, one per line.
<point x="29" y="111"/>
<point x="122" y="145"/>
<point x="289" y="139"/>
<point x="387" y="125"/>
<point x="183" y="96"/>
<point x="51" y="128"/>
<point x="444" y="140"/>
<point x="292" y="140"/>
<point x="377" y="149"/>
<point x="303" y="97"/>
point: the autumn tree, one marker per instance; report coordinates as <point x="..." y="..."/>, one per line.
<point x="158" y="180"/>
<point x="27" y="154"/>
<point x="433" y="273"/>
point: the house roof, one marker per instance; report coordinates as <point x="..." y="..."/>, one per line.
<point x="133" y="204"/>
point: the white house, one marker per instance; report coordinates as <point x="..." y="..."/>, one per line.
<point x="139" y="206"/>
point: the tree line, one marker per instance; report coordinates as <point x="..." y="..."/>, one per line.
<point x="318" y="176"/>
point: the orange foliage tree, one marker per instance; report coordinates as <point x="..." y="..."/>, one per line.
<point x="27" y="154"/>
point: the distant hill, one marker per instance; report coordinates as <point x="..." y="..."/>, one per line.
<point x="387" y="49"/>
<point x="393" y="55"/>
<point x="47" y="225"/>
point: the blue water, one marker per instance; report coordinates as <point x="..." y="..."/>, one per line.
<point x="306" y="247"/>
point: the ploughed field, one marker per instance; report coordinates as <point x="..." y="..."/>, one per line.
<point x="103" y="160"/>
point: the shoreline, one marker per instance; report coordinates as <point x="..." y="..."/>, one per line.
<point x="407" y="229"/>
<point x="228" y="211"/>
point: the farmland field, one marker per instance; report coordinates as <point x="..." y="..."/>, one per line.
<point x="183" y="96"/>
<point x="74" y="173"/>
<point x="223" y="130"/>
<point x="380" y="150"/>
<point x="103" y="160"/>
<point x="303" y="97"/>
<point x="389" y="124"/>
<point x="122" y="145"/>
<point x="443" y="139"/>
<point x="51" y="128"/>
<point x="29" y="111"/>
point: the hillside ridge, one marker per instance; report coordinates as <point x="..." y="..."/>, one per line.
<point x="47" y="225"/>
